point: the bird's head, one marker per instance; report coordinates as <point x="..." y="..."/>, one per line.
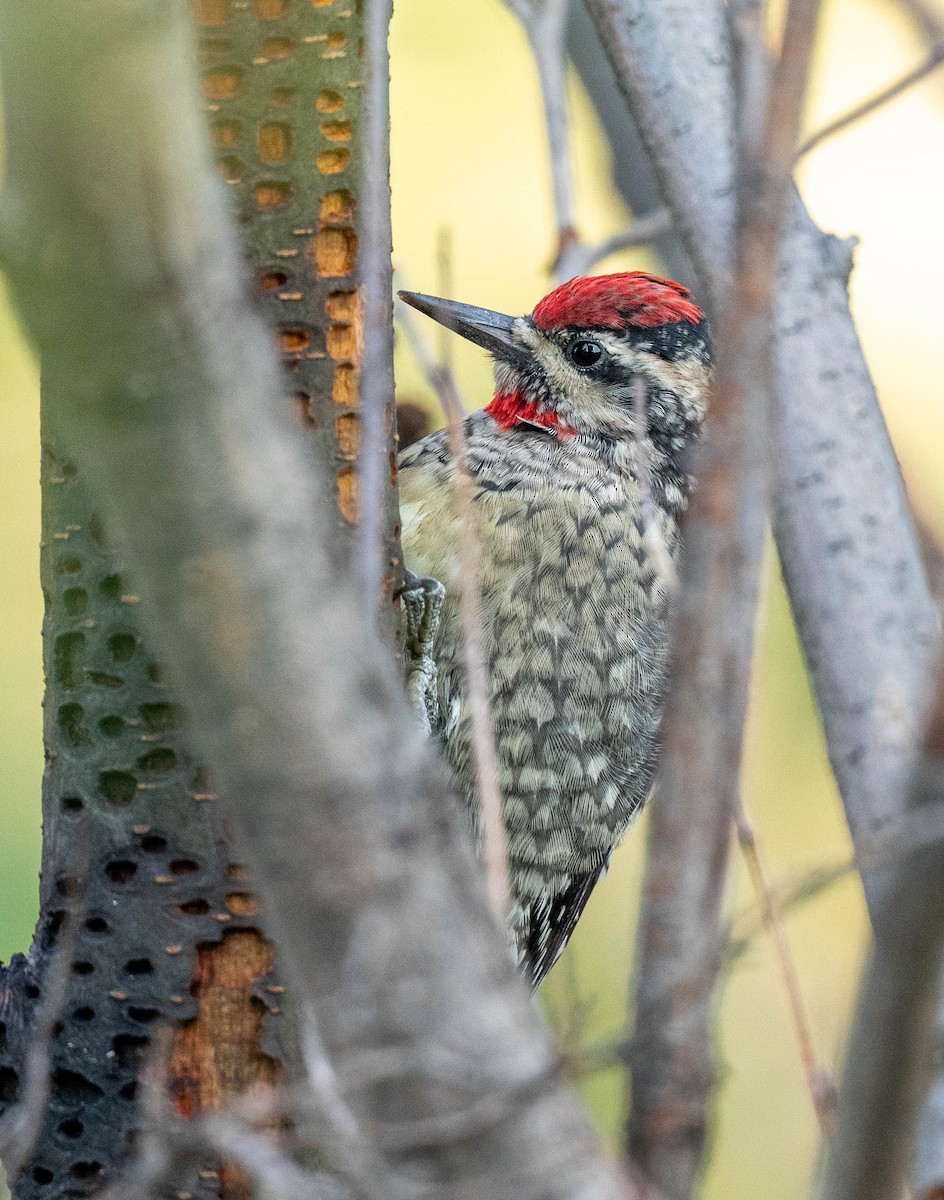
<point x="574" y="366"/>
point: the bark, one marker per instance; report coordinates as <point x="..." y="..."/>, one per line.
<point x="120" y="774"/>
<point x="670" y="1055"/>
<point x="884" y="1077"/>
<point x="844" y="533"/>
<point x="172" y="409"/>
<point x="841" y="519"/>
<point x="160" y="889"/>
<point x="633" y="177"/>
<point x="282" y="85"/>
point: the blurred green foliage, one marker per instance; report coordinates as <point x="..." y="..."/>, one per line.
<point x="469" y="154"/>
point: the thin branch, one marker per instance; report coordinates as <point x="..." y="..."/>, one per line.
<point x="376" y="379"/>
<point x="918" y="833"/>
<point x="494" y="839"/>
<point x="819" y="1081"/>
<point x="632" y="174"/>
<point x="759" y="237"/>
<point x="810" y="886"/>
<point x="670" y="1056"/>
<point x="445" y="275"/>
<point x="545" y="23"/>
<point x="926" y="16"/>
<point x="844" y="533"/>
<point x="912" y="834"/>
<point x="865" y="107"/>
<point x="885" y="1073"/>
<point x="580" y="259"/>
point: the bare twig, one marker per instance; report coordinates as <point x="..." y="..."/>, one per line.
<point x="811" y="885"/>
<point x="376" y="377"/>
<point x="818" y="1080"/>
<point x="580" y="259"/>
<point x="494" y="840"/>
<point x="919" y="832"/>
<point x="912" y="834"/>
<point x="885" y="1071"/>
<point x="844" y="533"/>
<point x="633" y="177"/>
<point x="672" y="1073"/>
<point x="545" y="22"/>
<point x="933" y="60"/>
<point x="926" y="16"/>
<point x="445" y="276"/>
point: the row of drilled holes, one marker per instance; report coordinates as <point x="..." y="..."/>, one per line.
<point x="335" y="248"/>
<point x="275" y="144"/>
<point x="214" y="13"/>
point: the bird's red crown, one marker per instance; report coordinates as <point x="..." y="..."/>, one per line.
<point x="629" y="298"/>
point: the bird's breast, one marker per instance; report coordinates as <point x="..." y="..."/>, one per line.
<point x="574" y="631"/>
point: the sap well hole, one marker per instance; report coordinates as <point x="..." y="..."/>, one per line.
<point x="160" y="760"/>
<point x="121" y="646"/>
<point x="118" y="787"/>
<point x="85" y="1170"/>
<point x="143" y="1015"/>
<point x="121" y="870"/>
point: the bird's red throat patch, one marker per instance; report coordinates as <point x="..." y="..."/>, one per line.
<point x="510" y="409"/>
<point x="628" y="298"/>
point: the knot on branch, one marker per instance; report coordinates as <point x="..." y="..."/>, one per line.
<point x="839" y="256"/>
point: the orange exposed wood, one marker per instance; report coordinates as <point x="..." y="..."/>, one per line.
<point x="218" y="1057"/>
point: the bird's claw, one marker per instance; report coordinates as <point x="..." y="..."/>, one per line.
<point x="422" y="599"/>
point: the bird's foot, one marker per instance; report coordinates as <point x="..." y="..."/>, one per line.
<point x="422" y="599"/>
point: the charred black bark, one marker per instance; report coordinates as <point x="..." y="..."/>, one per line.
<point x="133" y="841"/>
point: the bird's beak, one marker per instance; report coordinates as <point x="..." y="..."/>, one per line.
<point x="491" y="330"/>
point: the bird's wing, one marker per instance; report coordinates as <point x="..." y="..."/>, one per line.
<point x="550" y="922"/>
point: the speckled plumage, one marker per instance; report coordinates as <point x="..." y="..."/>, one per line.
<point x="574" y="612"/>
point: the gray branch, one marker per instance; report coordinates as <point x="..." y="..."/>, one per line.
<point x="843" y="528"/>
<point x="632" y="174"/>
<point x="841" y="520"/>
<point x="130" y="283"/>
<point x="884" y="1076"/>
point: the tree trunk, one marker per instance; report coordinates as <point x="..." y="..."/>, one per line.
<point x="132" y="833"/>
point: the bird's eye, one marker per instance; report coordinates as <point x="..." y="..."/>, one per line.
<point x="585" y="354"/>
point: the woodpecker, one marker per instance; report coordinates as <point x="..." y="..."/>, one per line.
<point x="575" y="604"/>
